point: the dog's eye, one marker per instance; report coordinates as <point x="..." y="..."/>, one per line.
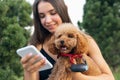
<point x="70" y="35"/>
<point x="59" y="36"/>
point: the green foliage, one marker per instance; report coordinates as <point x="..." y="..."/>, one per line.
<point x="117" y="75"/>
<point x="14" y="17"/>
<point x="101" y="21"/>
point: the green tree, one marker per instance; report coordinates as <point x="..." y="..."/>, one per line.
<point x="14" y="17"/>
<point x="101" y="20"/>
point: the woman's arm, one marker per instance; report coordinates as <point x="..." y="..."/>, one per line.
<point x="103" y="76"/>
<point x="95" y="54"/>
<point x="31" y="76"/>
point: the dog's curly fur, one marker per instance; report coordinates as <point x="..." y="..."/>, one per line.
<point x="69" y="39"/>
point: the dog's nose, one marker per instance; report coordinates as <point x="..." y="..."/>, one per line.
<point x="62" y="41"/>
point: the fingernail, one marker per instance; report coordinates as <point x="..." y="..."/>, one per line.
<point x="38" y="55"/>
<point x="30" y="54"/>
<point x="43" y="60"/>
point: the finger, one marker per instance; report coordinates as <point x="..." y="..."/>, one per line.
<point x="36" y="66"/>
<point x="26" y="58"/>
<point x="31" y="61"/>
<point x="34" y="60"/>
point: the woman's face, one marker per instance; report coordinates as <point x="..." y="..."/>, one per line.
<point x="49" y="18"/>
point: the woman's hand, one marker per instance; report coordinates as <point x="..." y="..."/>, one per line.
<point x="29" y="63"/>
<point x="31" y="67"/>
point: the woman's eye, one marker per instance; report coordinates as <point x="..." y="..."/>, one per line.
<point x="53" y="12"/>
<point x="41" y="15"/>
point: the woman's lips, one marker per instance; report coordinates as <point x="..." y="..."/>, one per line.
<point x="51" y="26"/>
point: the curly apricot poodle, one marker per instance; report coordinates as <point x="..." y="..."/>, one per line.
<point x="70" y="44"/>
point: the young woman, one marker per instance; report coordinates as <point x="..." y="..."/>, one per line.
<point x="48" y="14"/>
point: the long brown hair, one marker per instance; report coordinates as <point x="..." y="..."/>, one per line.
<point x="40" y="33"/>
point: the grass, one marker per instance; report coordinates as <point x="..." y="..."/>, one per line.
<point x="116" y="75"/>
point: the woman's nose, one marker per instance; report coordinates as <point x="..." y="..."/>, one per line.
<point x="48" y="19"/>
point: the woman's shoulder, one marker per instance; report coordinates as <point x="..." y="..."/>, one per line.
<point x="93" y="47"/>
<point x="90" y="38"/>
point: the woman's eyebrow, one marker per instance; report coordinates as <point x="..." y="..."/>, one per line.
<point x="52" y="10"/>
<point x="48" y="11"/>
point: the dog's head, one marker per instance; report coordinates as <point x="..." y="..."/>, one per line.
<point x="68" y="39"/>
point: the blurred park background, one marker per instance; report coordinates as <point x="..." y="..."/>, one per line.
<point x="101" y="20"/>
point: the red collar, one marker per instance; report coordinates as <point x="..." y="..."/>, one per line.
<point x="71" y="56"/>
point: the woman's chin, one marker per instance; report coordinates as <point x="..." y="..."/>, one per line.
<point x="52" y="31"/>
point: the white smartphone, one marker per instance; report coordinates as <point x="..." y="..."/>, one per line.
<point x="32" y="49"/>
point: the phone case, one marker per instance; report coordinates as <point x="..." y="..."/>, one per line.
<point x="31" y="49"/>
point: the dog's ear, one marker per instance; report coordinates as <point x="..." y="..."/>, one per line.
<point x="81" y="43"/>
<point x="51" y="46"/>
